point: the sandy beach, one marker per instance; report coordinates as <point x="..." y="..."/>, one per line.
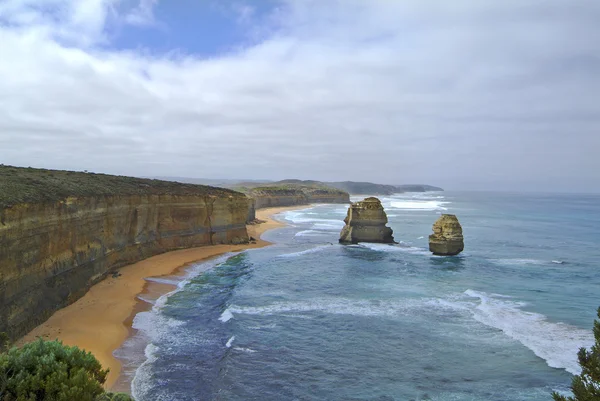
<point x="100" y="321"/>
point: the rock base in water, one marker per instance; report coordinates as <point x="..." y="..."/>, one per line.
<point x="366" y="222"/>
<point x="447" y="238"/>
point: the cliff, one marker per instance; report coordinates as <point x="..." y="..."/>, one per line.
<point x="61" y="232"/>
<point x="417" y="188"/>
<point x="366" y="222"/>
<point x="292" y="194"/>
<point x="361" y="188"/>
<point x="447" y="238"/>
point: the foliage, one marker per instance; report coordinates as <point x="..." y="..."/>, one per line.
<point x="50" y="371"/>
<point x="290" y="189"/>
<point x="586" y="386"/>
<point x="31" y="185"/>
<point x="4" y="342"/>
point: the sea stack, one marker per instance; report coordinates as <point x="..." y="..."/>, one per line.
<point x="366" y="222"/>
<point x="447" y="238"/>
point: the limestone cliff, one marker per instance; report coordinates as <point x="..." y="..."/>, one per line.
<point x="366" y="222"/>
<point x="292" y="195"/>
<point x="61" y="232"/>
<point x="447" y="238"/>
<point x="360" y="188"/>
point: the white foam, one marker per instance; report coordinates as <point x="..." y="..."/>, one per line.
<point x="156" y="327"/>
<point x="556" y="343"/>
<point x="247" y="350"/>
<point x="333" y="225"/>
<point x="305" y="252"/>
<point x="143" y="375"/>
<point x="298" y="217"/>
<point x="266" y="326"/>
<point x="343" y="306"/>
<point x="518" y="262"/>
<point x="310" y="233"/>
<point x="396" y="248"/>
<point x="418" y="205"/>
<point x="228" y="345"/>
<point x="226" y="316"/>
<point x="147" y="300"/>
<point x="426" y="196"/>
<point x="160" y="280"/>
<point x="558" y="262"/>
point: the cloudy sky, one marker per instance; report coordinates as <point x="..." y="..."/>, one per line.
<point x="464" y="94"/>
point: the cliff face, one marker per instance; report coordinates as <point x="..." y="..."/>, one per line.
<point x="52" y="252"/>
<point x="447" y="238"/>
<point x="263" y="199"/>
<point x="290" y="195"/>
<point x="361" y="188"/>
<point x="366" y="222"/>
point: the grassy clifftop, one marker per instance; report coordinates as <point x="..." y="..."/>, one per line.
<point x="290" y="189"/>
<point x="31" y="185"/>
<point x="350" y="187"/>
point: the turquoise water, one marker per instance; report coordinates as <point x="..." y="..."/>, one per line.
<point x="308" y="319"/>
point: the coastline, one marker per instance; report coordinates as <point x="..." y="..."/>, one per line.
<point x="101" y="320"/>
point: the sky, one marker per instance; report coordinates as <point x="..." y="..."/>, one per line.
<point x="462" y="94"/>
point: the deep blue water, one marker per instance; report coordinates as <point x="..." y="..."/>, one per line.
<point x="308" y="319"/>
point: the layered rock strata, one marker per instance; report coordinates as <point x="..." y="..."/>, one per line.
<point x="53" y="250"/>
<point x="265" y="197"/>
<point x="447" y="238"/>
<point x="366" y="222"/>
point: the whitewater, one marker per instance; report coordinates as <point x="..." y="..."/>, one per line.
<point x="310" y="319"/>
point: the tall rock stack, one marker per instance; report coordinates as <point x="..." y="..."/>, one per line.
<point x="366" y="222"/>
<point x="447" y="238"/>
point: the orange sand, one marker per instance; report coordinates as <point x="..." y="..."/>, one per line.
<point x="100" y="321"/>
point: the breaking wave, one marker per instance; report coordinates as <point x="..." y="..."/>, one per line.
<point x="556" y="343"/>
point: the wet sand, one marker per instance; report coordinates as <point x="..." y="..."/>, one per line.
<point x="101" y="320"/>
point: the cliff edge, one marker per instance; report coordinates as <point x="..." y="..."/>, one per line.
<point x="290" y="194"/>
<point x="61" y="232"/>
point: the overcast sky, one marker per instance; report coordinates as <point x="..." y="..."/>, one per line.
<point x="464" y="94"/>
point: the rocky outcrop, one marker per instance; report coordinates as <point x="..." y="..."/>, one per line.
<point x="447" y="238"/>
<point x="53" y="250"/>
<point x="366" y="222"/>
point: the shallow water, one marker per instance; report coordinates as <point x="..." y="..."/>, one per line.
<point x="308" y="319"/>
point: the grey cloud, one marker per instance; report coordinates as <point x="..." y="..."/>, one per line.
<point x="465" y="94"/>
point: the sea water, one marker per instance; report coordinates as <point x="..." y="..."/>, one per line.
<point x="309" y="319"/>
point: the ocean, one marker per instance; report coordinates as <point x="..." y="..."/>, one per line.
<point x="309" y="319"/>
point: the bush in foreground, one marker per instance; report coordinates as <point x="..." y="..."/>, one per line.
<point x="586" y="386"/>
<point x="49" y="370"/>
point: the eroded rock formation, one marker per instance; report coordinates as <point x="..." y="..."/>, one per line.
<point x="447" y="238"/>
<point x="366" y="222"/>
<point x="53" y="249"/>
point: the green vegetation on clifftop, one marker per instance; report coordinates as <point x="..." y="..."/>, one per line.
<point x="32" y="185"/>
<point x="50" y="371"/>
<point x="586" y="386"/>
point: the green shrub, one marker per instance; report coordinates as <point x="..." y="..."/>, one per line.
<point x="4" y="342"/>
<point x="586" y="386"/>
<point x="50" y="371"/>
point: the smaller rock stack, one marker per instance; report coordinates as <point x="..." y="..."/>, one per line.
<point x="447" y="238"/>
<point x="366" y="222"/>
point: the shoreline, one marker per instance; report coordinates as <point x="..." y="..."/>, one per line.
<point x="100" y="321"/>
